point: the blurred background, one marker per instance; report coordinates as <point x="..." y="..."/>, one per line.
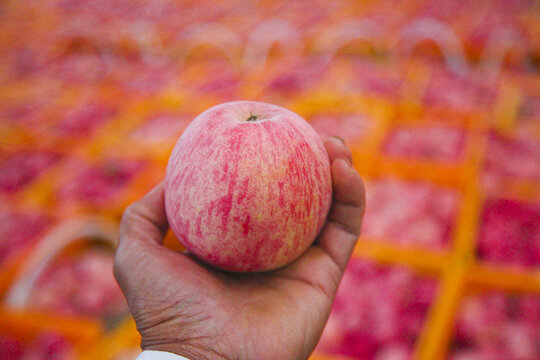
<point x="439" y="101"/>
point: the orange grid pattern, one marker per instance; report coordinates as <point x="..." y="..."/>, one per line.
<point x="458" y="269"/>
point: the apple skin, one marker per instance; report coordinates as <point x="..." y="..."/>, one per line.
<point x="248" y="196"/>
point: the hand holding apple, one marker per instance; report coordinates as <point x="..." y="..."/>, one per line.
<point x="248" y="186"/>
<point x="187" y="308"/>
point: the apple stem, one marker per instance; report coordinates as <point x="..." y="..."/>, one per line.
<point x="252" y="117"/>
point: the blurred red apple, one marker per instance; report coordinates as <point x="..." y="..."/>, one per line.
<point x="248" y="186"/>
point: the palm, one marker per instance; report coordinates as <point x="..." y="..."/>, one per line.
<point x="183" y="306"/>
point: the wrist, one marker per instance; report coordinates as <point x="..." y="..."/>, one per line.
<point x="187" y="351"/>
<point x="179" y="337"/>
<point x="159" y="355"/>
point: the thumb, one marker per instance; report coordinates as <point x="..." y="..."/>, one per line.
<point x="144" y="222"/>
<point x="141" y="255"/>
<point x="142" y="229"/>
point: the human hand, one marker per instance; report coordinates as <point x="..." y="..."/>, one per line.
<point x="182" y="306"/>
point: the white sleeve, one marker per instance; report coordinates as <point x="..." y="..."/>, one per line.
<point x="159" y="355"/>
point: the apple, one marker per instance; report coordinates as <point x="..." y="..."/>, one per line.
<point x="248" y="186"/>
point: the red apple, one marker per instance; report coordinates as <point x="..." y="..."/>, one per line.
<point x="248" y="186"/>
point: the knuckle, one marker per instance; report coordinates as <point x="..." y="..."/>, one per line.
<point x="331" y="277"/>
<point x="129" y="213"/>
<point x="121" y="270"/>
<point x="117" y="268"/>
<point x="335" y="272"/>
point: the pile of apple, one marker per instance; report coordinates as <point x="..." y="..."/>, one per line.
<point x="410" y="213"/>
<point x="374" y="79"/>
<point x="20" y="169"/>
<point x="434" y="142"/>
<point x="46" y="346"/>
<point x="448" y="89"/>
<point x="350" y="127"/>
<point x="80" y="284"/>
<point x="84" y="119"/>
<point x="294" y="77"/>
<point x="526" y="119"/>
<point x="144" y="76"/>
<point x="161" y="127"/>
<point x="19" y="230"/>
<point x="218" y="79"/>
<point x="510" y="233"/>
<point x="530" y="107"/>
<point x="511" y="157"/>
<point x="378" y="312"/>
<point x="98" y="183"/>
<point x="26" y="113"/>
<point x="496" y="325"/>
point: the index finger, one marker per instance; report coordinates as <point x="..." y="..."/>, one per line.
<point x="342" y="229"/>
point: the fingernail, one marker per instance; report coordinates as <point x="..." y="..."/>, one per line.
<point x="340" y="139"/>
<point x="347" y="161"/>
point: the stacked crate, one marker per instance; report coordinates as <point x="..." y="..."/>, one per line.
<point x="93" y="97"/>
